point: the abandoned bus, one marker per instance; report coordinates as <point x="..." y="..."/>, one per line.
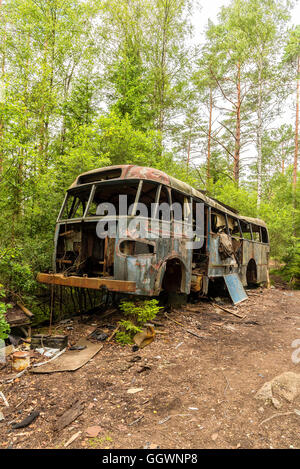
<point x="230" y="247"/>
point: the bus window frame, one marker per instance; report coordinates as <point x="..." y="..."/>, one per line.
<point x="185" y="218"/>
<point x="260" y="234"/>
<point x="250" y="225"/>
<point x="208" y="222"/>
<point x="267" y="235"/>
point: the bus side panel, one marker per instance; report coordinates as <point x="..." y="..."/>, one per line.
<point x="259" y="253"/>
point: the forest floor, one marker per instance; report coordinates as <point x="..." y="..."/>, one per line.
<point x="194" y="392"/>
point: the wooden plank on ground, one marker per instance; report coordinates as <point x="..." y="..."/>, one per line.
<point x="69" y="416"/>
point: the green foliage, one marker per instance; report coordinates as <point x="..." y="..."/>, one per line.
<point x="4" y="326"/>
<point x="112" y="139"/>
<point x="142" y="311"/>
<point x="292" y="48"/>
<point x="139" y="313"/>
<point x="17" y="273"/>
<point x="292" y="268"/>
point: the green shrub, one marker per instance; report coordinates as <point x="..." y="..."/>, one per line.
<point x="291" y="271"/>
<point x="4" y="326"/>
<point x="138" y="314"/>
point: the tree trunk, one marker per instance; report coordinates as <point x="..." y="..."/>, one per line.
<point x="296" y="130"/>
<point x="2" y="98"/>
<point x="189" y="150"/>
<point x="209" y="137"/>
<point x="162" y="74"/>
<point x="259" y="135"/>
<point x="236" y="165"/>
<point x="282" y="159"/>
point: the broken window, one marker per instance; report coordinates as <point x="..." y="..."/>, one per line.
<point x="148" y="196"/>
<point x="162" y="212"/>
<point x="135" y="248"/>
<point x="75" y="205"/>
<point x="200" y="228"/>
<point x="178" y="200"/>
<point x="234" y="231"/>
<point x="98" y="176"/>
<point x="246" y="230"/>
<point x="109" y="193"/>
<point x="256" y="233"/>
<point x="218" y="222"/>
<point x="264" y="235"/>
<point x="233" y="227"/>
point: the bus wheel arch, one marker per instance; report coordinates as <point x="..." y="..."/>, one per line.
<point x="251" y="272"/>
<point x="174" y="276"/>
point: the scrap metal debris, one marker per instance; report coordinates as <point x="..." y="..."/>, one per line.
<point x="98" y="334"/>
<point x="47" y="351"/>
<point x="51" y="359"/>
<point x="145" y="337"/>
<point x="49" y="341"/>
<point x="77" y="347"/>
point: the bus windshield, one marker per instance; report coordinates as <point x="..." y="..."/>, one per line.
<point x="76" y="204"/>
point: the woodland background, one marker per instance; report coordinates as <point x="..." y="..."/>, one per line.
<point x="91" y="83"/>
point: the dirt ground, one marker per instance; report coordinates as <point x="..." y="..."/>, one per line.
<point x="196" y="392"/>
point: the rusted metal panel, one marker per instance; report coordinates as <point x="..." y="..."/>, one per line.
<point x="139" y="269"/>
<point x="141" y="172"/>
<point x="259" y="253"/>
<point x="87" y="282"/>
<point x="147" y="270"/>
<point x="218" y="267"/>
<point x="235" y="288"/>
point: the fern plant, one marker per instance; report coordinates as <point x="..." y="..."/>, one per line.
<point x="138" y="313"/>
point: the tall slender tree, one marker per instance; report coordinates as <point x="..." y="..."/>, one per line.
<point x="292" y="54"/>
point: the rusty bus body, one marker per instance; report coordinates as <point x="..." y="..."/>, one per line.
<point x="146" y="266"/>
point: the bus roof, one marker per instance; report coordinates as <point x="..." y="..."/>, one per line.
<point x="122" y="172"/>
